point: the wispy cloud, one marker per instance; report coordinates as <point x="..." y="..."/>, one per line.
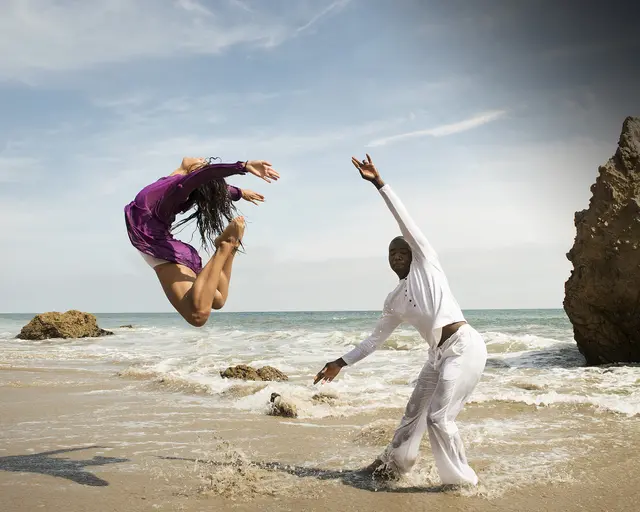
<point x="242" y="5"/>
<point x="18" y="169"/>
<point x="139" y="148"/>
<point x="43" y="36"/>
<point x="337" y="5"/>
<point x="193" y="6"/>
<point x="148" y="113"/>
<point x="443" y="130"/>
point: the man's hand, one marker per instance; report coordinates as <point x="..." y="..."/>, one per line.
<point x="330" y="371"/>
<point x="251" y="196"/>
<point x="368" y="171"/>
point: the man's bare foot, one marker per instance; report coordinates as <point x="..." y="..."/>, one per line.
<point x="379" y="471"/>
<point x="373" y="466"/>
<point x="233" y="233"/>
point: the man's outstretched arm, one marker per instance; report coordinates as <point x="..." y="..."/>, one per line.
<point x="410" y="230"/>
<point x="383" y="329"/>
<point x="381" y="332"/>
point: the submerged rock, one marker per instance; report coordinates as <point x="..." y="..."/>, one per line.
<point x="278" y="406"/>
<point x="72" y="324"/>
<point x="324" y="398"/>
<point x="377" y="433"/>
<point x="244" y="372"/>
<point x="602" y="295"/>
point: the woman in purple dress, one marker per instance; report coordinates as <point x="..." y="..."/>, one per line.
<point x="192" y="289"/>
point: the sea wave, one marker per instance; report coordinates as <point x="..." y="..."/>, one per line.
<point x="525" y="365"/>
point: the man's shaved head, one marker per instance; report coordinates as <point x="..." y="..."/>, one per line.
<point x="400" y="256"/>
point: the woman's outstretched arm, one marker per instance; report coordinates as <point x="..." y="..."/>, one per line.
<point x="237" y="193"/>
<point x="234" y="192"/>
<point x="189" y="182"/>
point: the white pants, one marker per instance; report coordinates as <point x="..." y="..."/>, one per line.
<point x="444" y="385"/>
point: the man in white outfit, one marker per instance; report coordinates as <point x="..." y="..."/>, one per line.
<point x="457" y="352"/>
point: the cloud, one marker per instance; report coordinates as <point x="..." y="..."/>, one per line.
<point x="18" y="169"/>
<point x="335" y="6"/>
<point x="42" y="36"/>
<point x="442" y="131"/>
<point x="139" y="106"/>
<point x="242" y="5"/>
<point x="193" y="6"/>
<point x="143" y="126"/>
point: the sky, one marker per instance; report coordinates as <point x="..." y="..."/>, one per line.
<point x="488" y="118"/>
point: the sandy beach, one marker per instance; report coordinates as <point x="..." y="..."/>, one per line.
<point x="77" y="440"/>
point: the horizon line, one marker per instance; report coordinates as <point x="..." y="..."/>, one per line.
<point x="270" y="312"/>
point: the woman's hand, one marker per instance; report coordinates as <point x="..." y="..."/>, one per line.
<point x="368" y="171"/>
<point x="330" y="371"/>
<point x="262" y="169"/>
<point x="251" y="196"/>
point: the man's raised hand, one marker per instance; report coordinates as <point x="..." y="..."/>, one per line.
<point x="368" y="170"/>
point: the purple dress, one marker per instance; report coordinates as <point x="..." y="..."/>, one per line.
<point x="150" y="215"/>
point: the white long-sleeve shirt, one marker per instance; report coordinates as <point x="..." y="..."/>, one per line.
<point x="422" y="299"/>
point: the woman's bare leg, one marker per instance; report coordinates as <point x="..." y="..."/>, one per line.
<point x="192" y="296"/>
<point x="220" y="297"/>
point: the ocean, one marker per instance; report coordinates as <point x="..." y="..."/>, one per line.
<point x="535" y="400"/>
<point x="532" y="357"/>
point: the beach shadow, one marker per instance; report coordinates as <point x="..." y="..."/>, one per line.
<point x="357" y="478"/>
<point x="70" y="469"/>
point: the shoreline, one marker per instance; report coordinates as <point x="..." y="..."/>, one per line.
<point x="126" y="446"/>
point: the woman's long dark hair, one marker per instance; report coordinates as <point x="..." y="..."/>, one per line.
<point x="213" y="206"/>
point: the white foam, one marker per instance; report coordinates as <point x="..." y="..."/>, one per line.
<point x="533" y="365"/>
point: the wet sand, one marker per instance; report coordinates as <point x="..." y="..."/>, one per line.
<point x="75" y="440"/>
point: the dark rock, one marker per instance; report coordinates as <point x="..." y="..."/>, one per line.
<point x="128" y="326"/>
<point x="72" y="324"/>
<point x="241" y="371"/>
<point x="271" y="373"/>
<point x="244" y="372"/>
<point x="278" y="406"/>
<point x="602" y="295"/>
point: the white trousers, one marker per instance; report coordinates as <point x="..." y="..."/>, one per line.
<point x="444" y="385"/>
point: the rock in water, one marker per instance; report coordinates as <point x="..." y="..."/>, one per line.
<point x="72" y="324"/>
<point x="244" y="372"/>
<point x="271" y="373"/>
<point x="281" y="407"/>
<point x="602" y="295"/>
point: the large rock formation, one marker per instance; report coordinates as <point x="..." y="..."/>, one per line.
<point x="72" y="324"/>
<point x="602" y="295"/>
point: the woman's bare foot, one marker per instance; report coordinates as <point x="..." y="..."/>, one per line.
<point x="232" y="234"/>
